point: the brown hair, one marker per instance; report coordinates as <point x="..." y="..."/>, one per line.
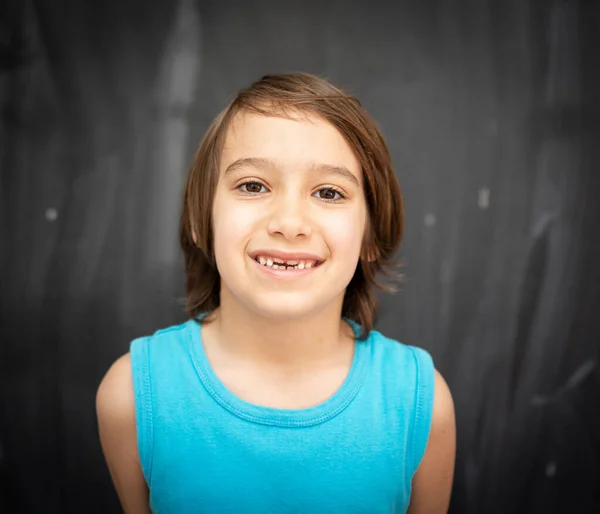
<point x="284" y="95"/>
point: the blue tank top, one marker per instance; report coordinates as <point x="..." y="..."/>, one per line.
<point x="204" y="450"/>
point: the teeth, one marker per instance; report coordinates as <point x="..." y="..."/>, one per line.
<point x="276" y="263"/>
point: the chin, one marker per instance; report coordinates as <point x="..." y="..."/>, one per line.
<point x="282" y="309"/>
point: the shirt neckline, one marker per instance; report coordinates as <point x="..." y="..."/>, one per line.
<point x="320" y="413"/>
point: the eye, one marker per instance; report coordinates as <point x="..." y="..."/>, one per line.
<point x="330" y="194"/>
<point x="252" y="187"/>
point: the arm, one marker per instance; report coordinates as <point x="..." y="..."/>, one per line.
<point x="432" y="483"/>
<point x="115" y="407"/>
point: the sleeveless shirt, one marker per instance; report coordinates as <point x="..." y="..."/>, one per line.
<point x="204" y="450"/>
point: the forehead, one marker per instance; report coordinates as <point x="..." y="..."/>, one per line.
<point x="294" y="140"/>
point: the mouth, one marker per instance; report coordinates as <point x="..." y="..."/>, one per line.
<point x="277" y="263"/>
<point x="286" y="264"/>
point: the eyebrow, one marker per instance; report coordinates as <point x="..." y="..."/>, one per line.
<point x="268" y="164"/>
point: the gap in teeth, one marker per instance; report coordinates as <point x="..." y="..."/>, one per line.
<point x="280" y="264"/>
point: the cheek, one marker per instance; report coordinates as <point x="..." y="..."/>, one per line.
<point x="232" y="223"/>
<point x="345" y="233"/>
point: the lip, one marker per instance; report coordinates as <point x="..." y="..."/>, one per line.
<point x="287" y="256"/>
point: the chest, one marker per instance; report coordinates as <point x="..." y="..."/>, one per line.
<point x="346" y="465"/>
<point x="294" y="391"/>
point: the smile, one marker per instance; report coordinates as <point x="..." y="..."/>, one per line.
<point x="282" y="269"/>
<point x="292" y="264"/>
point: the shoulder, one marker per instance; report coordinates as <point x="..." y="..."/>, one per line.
<point x="410" y="363"/>
<point x="166" y="338"/>
<point x="420" y="380"/>
<point x="116" y="395"/>
<point x="115" y="408"/>
<point x="436" y="469"/>
<point x="442" y="433"/>
<point x="443" y="405"/>
<point x="115" y="403"/>
<point x="424" y="373"/>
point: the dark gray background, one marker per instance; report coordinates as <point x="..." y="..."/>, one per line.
<point x="491" y="112"/>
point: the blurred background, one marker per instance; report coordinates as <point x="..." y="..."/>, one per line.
<point x="491" y="110"/>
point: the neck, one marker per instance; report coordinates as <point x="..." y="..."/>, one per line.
<point x="317" y="337"/>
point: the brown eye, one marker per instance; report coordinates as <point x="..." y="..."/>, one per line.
<point x="252" y="187"/>
<point x="329" y="194"/>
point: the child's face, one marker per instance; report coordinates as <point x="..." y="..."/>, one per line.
<point x="287" y="186"/>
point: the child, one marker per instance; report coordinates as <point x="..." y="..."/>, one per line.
<point x="277" y="395"/>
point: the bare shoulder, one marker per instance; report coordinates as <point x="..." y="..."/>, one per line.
<point x="441" y="446"/>
<point x="443" y="405"/>
<point x="436" y="471"/>
<point x="115" y="407"/>
<point x="115" y="397"/>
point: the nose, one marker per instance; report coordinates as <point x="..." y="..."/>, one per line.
<point x="289" y="219"/>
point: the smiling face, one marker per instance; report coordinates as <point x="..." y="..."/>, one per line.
<point x="290" y="194"/>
